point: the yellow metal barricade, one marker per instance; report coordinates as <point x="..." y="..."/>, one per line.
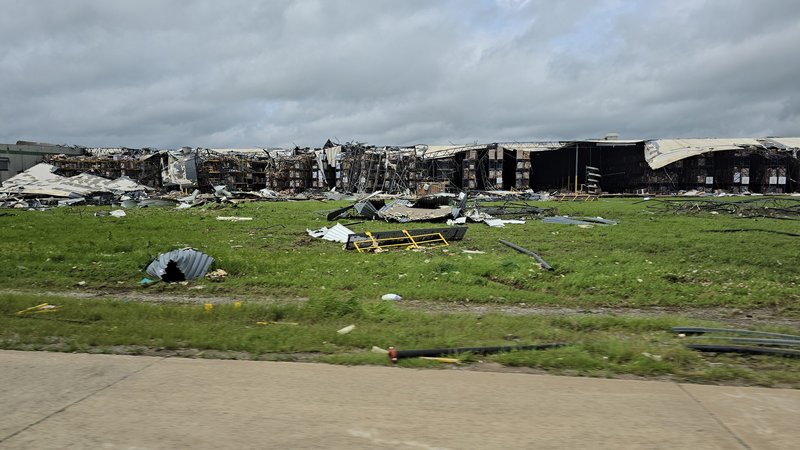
<point x="409" y="241"/>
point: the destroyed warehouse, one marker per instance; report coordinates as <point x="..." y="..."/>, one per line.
<point x="592" y="166"/>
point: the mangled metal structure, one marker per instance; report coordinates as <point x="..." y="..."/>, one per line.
<point x="42" y="183"/>
<point x="592" y="166"/>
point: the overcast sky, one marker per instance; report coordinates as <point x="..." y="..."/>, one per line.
<point x="278" y="73"/>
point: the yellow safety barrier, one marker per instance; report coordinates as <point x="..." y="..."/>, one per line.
<point x="408" y="241"/>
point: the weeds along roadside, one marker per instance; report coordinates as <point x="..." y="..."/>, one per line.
<point x="604" y="346"/>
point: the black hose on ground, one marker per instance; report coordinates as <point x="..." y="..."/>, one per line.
<point x="757" y="341"/>
<point x="535" y="256"/>
<point x="394" y="355"/>
<point x="703" y="330"/>
<point x="744" y="350"/>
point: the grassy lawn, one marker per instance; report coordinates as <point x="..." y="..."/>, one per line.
<point x="648" y="259"/>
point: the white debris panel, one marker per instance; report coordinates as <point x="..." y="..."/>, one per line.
<point x="336" y="233"/>
<point x="662" y="152"/>
<point x="41" y="180"/>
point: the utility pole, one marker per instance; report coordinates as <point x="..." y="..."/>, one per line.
<point x="576" y="166"/>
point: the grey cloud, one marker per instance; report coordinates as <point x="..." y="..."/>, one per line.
<point x="160" y="73"/>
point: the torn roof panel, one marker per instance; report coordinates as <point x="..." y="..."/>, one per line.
<point x="447" y="151"/>
<point x="787" y="143"/>
<point x="42" y="180"/>
<point x="661" y="152"/>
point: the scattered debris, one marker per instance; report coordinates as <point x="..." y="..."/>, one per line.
<point x="441" y="359"/>
<point x="500" y="223"/>
<point x="768" y="207"/>
<point x="566" y="220"/>
<point x="40" y="308"/>
<point x="535" y="256"/>
<point x="117" y="213"/>
<point x="741" y="230"/>
<point x="180" y="265"/>
<point x="391" y="297"/>
<point x="439" y="208"/>
<point x="264" y="322"/>
<point x="460" y="221"/>
<point x="217" y="275"/>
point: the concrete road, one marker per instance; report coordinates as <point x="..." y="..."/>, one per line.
<point x="56" y="400"/>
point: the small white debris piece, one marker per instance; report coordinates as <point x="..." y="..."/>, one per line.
<point x="652" y="356"/>
<point x="347" y="329"/>
<point x="217" y="275"/>
<point x="117" y="213"/>
<point x="336" y="233"/>
<point x="391" y="297"/>
<point x="233" y="218"/>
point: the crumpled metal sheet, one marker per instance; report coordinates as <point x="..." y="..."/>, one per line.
<point x="192" y="263"/>
<point x="366" y="208"/>
<point x="336" y="233"/>
<point x="402" y="211"/>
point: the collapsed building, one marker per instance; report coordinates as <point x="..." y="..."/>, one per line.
<point x="593" y="166"/>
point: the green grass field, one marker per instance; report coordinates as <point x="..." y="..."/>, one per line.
<point x="649" y="259"/>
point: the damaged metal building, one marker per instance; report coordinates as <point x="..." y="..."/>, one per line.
<point x="592" y="166"/>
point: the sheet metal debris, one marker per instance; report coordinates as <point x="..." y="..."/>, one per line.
<point x="336" y="233"/>
<point x="180" y="265"/>
<point x="768" y="207"/>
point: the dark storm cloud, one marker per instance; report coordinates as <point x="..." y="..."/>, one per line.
<point x="237" y="74"/>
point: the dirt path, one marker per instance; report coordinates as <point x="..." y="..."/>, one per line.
<point x="732" y="316"/>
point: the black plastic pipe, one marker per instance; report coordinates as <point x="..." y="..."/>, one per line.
<point x="538" y="258"/>
<point x="757" y="341"/>
<point x="744" y="350"/>
<point x="394" y="355"/>
<point x="703" y="330"/>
